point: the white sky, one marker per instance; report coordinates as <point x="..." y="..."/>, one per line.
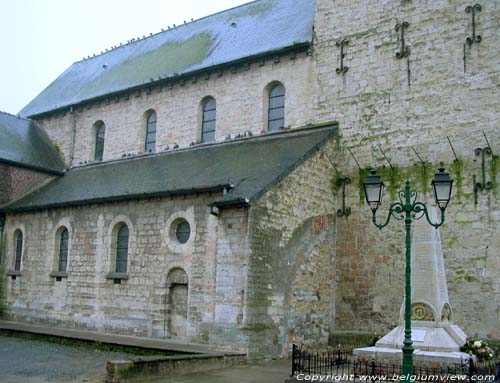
<point x="39" y="39"/>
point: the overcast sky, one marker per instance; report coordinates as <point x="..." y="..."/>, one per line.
<point x="39" y="39"/>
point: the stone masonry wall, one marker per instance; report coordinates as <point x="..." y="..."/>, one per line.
<point x="241" y="106"/>
<point x="398" y="105"/>
<point x="86" y="298"/>
<point x="291" y="274"/>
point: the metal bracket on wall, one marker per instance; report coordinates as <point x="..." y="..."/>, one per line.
<point x="343" y="68"/>
<point x="484" y="185"/>
<point x="404" y="50"/>
<point x="473" y="9"/>
<point x="343" y="181"/>
<point x="483" y="152"/>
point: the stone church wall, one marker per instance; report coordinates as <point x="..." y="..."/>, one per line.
<point x="291" y="275"/>
<point x="241" y="106"/>
<point x="398" y="105"/>
<point x="86" y="298"/>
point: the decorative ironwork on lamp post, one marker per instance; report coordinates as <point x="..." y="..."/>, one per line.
<point x="406" y="209"/>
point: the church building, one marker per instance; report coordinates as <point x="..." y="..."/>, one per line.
<point x="204" y="183"/>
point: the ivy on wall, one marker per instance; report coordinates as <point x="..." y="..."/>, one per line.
<point x="421" y="175"/>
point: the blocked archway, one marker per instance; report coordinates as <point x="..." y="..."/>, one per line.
<point x="177" y="303"/>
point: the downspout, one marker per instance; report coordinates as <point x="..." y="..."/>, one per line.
<point x="73" y="134"/>
<point x="2" y="225"/>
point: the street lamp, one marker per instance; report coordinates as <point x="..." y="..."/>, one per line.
<point x="374" y="189"/>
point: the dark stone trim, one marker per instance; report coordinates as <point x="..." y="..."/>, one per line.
<point x="14" y="273"/>
<point x="59" y="274"/>
<point x="117" y="276"/>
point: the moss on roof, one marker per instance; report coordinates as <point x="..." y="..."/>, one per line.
<point x="152" y="64"/>
<point x="253" y="29"/>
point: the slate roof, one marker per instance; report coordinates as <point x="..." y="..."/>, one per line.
<point x="253" y="29"/>
<point x="251" y="165"/>
<point x="24" y="143"/>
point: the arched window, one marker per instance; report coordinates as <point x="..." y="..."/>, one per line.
<point x="100" y="130"/>
<point x="276" y="110"/>
<point x="150" y="145"/>
<point x="18" y="238"/>
<point x="208" y="122"/>
<point x="121" y="249"/>
<point x="63" y="250"/>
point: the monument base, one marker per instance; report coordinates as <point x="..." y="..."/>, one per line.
<point x="436" y="345"/>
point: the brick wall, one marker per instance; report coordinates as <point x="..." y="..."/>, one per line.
<point x="16" y="181"/>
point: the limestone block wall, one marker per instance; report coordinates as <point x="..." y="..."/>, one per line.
<point x="419" y="100"/>
<point x="291" y="275"/>
<point x="392" y="104"/>
<point x="240" y="94"/>
<point x="86" y="298"/>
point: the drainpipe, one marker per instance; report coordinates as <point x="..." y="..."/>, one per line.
<point x="73" y="134"/>
<point x="2" y="225"/>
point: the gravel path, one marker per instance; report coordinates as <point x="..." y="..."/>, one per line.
<point x="38" y="361"/>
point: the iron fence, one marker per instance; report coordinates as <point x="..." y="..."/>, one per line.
<point x="340" y="365"/>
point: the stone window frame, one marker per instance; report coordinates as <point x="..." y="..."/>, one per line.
<point x="13" y="272"/>
<point x="169" y="232"/>
<point x="146" y="118"/>
<point x="266" y="101"/>
<point x="204" y="101"/>
<point x="95" y="130"/>
<point x="111" y="241"/>
<point x="56" y="243"/>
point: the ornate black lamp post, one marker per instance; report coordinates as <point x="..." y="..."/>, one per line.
<point x="406" y="209"/>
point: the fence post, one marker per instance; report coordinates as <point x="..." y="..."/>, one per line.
<point x="294" y="355"/>
<point x="471" y="369"/>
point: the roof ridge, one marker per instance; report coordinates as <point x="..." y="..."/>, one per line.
<point x="152" y="34"/>
<point x="15" y="115"/>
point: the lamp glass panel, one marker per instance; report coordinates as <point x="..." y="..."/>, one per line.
<point x="373" y="193"/>
<point x="442" y="192"/>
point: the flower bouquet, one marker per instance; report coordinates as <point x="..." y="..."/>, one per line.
<point x="478" y="348"/>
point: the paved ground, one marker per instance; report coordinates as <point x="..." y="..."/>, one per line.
<point x="270" y="372"/>
<point x="36" y="361"/>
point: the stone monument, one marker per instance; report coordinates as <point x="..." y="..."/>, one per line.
<point x="435" y="337"/>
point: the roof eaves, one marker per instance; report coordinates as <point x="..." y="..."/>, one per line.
<point x="297" y="47"/>
<point x="32" y="167"/>
<point x="201" y="189"/>
<point x="248" y="200"/>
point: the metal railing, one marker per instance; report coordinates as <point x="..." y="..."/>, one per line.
<point x="341" y="363"/>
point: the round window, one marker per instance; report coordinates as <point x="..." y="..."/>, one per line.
<point x="183" y="231"/>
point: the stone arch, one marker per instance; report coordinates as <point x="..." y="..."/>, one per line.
<point x="177" y="303"/>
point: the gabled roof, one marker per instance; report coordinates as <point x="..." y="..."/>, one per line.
<point x="248" y="167"/>
<point x="24" y="143"/>
<point x="253" y="29"/>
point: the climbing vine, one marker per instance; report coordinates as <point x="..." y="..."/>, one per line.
<point x="494" y="173"/>
<point x="363" y="173"/>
